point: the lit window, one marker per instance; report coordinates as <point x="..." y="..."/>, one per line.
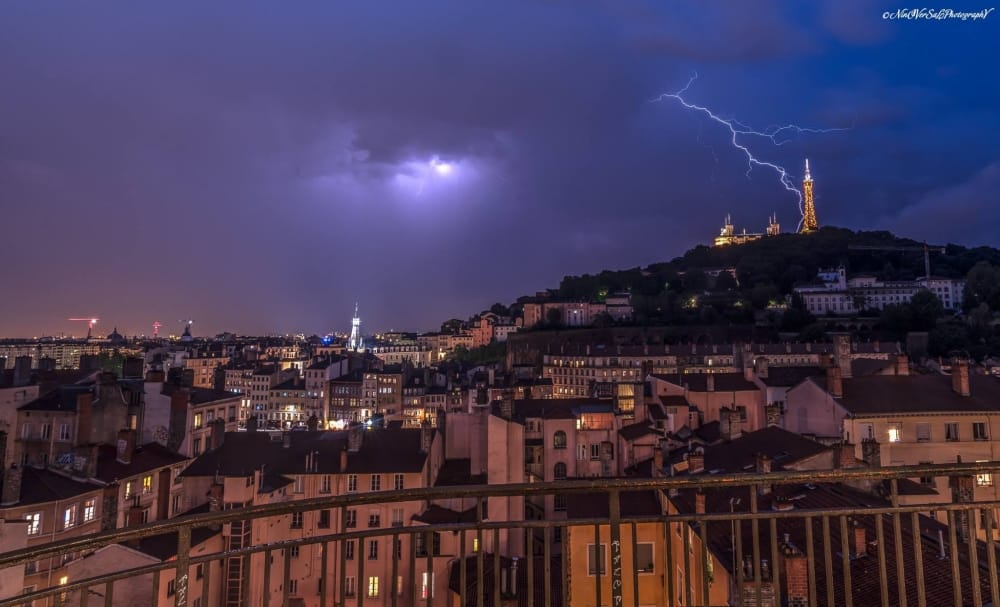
<point x="89" y="510"/>
<point x="985" y="479"/>
<point x="147" y="485"/>
<point x="894" y="433"/>
<point x="427" y="585"/>
<point x="128" y="489"/>
<point x="373" y="587"/>
<point x="69" y="517"/>
<point x="34" y="523"/>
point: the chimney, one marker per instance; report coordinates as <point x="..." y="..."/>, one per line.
<point x="84" y="417"/>
<point x="730" y="424"/>
<point x="960" y="376"/>
<point x="657" y="461"/>
<point x="710" y="382"/>
<point x="762" y="465"/>
<point x="902" y="364"/>
<point x="109" y="506"/>
<point x="286" y="439"/>
<point x="693" y="417"/>
<point x="132" y="367"/>
<point x="125" y="446"/>
<point x="843" y="456"/>
<point x="426" y="438"/>
<point x="796" y="577"/>
<point x="842" y="354"/>
<point x="513" y="576"/>
<point x="218" y="433"/>
<point x="11" y="493"/>
<point x="343" y="461"/>
<point x="491" y="374"/>
<point x="355" y="436"/>
<point x="860" y="540"/>
<point x="178" y="418"/>
<point x="762" y="367"/>
<point x="696" y="460"/>
<point x="22" y="371"/>
<point x="699" y="502"/>
<point x="834" y="383"/>
<point x="871" y="452"/>
<point x="772" y="414"/>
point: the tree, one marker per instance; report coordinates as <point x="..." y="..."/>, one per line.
<point x="554" y="317"/>
<point x="500" y="310"/>
<point x="982" y="285"/>
<point x="452" y="326"/>
<point x="725" y="282"/>
<point x="925" y="309"/>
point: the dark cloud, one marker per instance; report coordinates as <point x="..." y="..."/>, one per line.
<point x="964" y="213"/>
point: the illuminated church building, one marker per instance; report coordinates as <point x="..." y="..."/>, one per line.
<point x="728" y="234"/>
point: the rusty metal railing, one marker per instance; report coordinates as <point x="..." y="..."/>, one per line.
<point x="687" y="578"/>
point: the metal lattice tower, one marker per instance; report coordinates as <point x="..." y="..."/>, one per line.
<point x="809" y="222"/>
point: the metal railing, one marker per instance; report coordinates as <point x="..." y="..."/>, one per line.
<point x="551" y="547"/>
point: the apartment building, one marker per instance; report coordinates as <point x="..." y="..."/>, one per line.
<point x="250" y="468"/>
<point x="906" y="419"/>
<point x="203" y="369"/>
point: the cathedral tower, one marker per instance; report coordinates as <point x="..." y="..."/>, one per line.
<point x="809" y="222"/>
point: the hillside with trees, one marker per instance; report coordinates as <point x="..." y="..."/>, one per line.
<point x="698" y="288"/>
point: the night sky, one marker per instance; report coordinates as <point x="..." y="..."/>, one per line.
<point x="260" y="166"/>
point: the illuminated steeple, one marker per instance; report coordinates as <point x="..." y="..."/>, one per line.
<point x="356" y="344"/>
<point x="809" y="222"/>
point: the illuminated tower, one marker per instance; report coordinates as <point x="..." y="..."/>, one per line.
<point x="809" y="222"/>
<point x="356" y="344"/>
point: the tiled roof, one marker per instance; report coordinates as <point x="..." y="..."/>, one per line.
<point x="61" y="399"/>
<point x="865" y="583"/>
<point x="698" y="382"/>
<point x="39" y="486"/>
<point x="150" y="456"/>
<point x="917" y="394"/>
<point x="458" y="471"/>
<point x="786" y="377"/>
<point x="382" y="450"/>
<point x="164" y="545"/>
<point x="435" y="515"/>
<point x="636" y="431"/>
<point x="780" y="445"/>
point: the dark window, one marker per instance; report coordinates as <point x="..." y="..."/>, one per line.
<point x="560" y="471"/>
<point x="559" y="440"/>
<point x="324" y="519"/>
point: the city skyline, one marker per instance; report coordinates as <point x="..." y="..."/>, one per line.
<point x="260" y="171"/>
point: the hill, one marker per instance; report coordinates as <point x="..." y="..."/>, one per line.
<point x="699" y="287"/>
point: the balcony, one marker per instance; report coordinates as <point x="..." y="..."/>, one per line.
<point x="803" y="538"/>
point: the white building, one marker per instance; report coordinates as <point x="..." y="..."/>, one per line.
<point x="839" y="295"/>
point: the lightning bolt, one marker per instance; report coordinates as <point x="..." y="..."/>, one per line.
<point x="777" y="134"/>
